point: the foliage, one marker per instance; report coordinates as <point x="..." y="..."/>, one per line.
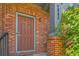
<point x="70" y="26"/>
<point x="56" y="33"/>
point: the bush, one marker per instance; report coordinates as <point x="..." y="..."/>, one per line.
<point x="70" y="26"/>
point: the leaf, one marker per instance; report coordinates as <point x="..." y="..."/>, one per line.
<point x="70" y="29"/>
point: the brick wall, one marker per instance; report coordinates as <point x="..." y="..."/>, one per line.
<point x="55" y="46"/>
<point x="1" y="18"/>
<point x="8" y="24"/>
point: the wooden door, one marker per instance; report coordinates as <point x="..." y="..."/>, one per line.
<point x="26" y="33"/>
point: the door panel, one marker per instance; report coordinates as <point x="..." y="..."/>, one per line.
<point x="26" y="33"/>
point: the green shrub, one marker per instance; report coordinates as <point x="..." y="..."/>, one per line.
<point x="70" y="28"/>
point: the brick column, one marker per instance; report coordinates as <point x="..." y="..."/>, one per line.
<point x="55" y="46"/>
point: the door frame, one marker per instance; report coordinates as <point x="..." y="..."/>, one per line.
<point x="34" y="18"/>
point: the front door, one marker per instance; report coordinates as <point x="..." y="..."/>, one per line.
<point x="25" y="39"/>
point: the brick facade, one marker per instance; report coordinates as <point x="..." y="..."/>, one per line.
<point x="8" y="24"/>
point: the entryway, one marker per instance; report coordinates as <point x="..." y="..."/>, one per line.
<point x="25" y="33"/>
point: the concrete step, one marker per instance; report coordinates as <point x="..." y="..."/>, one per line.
<point x="40" y="54"/>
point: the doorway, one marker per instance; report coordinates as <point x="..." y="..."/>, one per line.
<point x="25" y="33"/>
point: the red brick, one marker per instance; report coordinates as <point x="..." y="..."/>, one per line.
<point x="9" y="18"/>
